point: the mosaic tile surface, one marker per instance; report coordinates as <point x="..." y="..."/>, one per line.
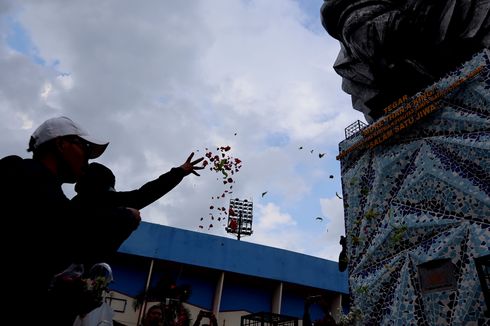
<point x="421" y="195"/>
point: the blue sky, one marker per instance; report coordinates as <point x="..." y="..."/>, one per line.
<point x="162" y="79"/>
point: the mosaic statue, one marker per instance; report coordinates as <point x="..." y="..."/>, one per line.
<point x="392" y="48"/>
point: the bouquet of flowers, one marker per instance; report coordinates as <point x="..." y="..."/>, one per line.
<point x="85" y="292"/>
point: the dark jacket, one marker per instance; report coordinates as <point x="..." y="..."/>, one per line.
<point x="95" y="192"/>
<point x="36" y="219"/>
<point x="97" y="187"/>
<point x="43" y="233"/>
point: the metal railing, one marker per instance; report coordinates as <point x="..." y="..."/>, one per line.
<point x="354" y="128"/>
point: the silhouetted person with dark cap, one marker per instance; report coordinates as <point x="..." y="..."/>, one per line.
<point x="96" y="190"/>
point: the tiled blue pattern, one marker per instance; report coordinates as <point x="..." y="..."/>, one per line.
<point x="424" y="194"/>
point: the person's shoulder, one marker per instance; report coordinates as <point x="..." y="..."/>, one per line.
<point x="10" y="168"/>
<point x="10" y="162"/>
<point x="13" y="165"/>
<point x="11" y="159"/>
<point x="15" y="161"/>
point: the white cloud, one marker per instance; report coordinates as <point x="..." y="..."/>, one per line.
<point x="271" y="218"/>
<point x="160" y="79"/>
<point x="276" y="229"/>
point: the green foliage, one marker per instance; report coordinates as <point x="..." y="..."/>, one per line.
<point x="398" y="233"/>
<point x="355" y="240"/>
<point x="370" y="214"/>
<point x="353" y="318"/>
<point x="362" y="289"/>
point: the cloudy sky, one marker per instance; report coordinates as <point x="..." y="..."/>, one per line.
<point x="161" y="79"/>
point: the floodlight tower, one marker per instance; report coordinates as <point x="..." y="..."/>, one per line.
<point x="240" y="215"/>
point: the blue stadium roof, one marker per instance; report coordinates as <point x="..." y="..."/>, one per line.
<point x="230" y="255"/>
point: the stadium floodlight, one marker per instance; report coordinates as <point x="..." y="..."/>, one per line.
<point x="240" y="216"/>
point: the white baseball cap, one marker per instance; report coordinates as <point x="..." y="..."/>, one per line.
<point x="63" y="126"/>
